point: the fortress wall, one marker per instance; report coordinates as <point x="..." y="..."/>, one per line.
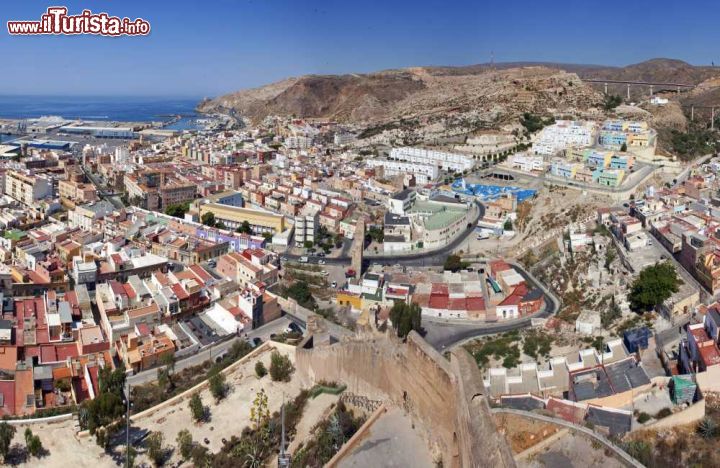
<point x="418" y="379"/>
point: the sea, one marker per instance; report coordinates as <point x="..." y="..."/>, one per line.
<point x="101" y="108"/>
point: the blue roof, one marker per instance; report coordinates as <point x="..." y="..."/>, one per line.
<point x="492" y="192"/>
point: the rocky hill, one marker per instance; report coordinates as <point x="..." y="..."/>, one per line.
<point x="436" y="104"/>
<point x="443" y="101"/>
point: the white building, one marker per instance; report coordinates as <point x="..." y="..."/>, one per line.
<point x="341" y="139"/>
<point x="555" y="138"/>
<point x="526" y="163"/>
<point x="424" y="173"/>
<point x="305" y="229"/>
<point x="27" y="188"/>
<point x="446" y="161"/>
<point x="401" y="202"/>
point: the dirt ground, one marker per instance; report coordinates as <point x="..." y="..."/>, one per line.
<point x="571" y="451"/>
<point x="523" y="433"/>
<point x="227" y="418"/>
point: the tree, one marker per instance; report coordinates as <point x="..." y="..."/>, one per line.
<point x="455" y="263"/>
<point x="200" y="456"/>
<point x="508" y="226"/>
<point x="653" y="286"/>
<point x="260" y="369"/>
<point x="308" y="244"/>
<point x="406" y="318"/>
<point x="280" y="367"/>
<point x="32" y="443"/>
<point x="7" y="432"/>
<point x="245" y="228"/>
<point x="300" y="292"/>
<point x="196" y="408"/>
<point x="623" y="147"/>
<point x="185" y="443"/>
<point x="208" y="219"/>
<point x="612" y="101"/>
<point x="178" y="210"/>
<point x="155" y="448"/>
<point x="218" y="386"/>
<point x="259" y="412"/>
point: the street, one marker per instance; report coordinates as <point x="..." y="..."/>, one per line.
<point x="263" y="332"/>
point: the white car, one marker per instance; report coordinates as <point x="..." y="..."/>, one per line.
<point x="333" y="284"/>
<point x="321" y="262"/>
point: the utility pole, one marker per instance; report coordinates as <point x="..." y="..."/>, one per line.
<point x="283" y="457"/>
<point x="692" y="113"/>
<point x="628" y="95"/>
<point x="127" y="426"/>
<point x="651" y="90"/>
<point x="605" y="88"/>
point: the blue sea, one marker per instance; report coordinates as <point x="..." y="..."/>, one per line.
<point x="116" y="108"/>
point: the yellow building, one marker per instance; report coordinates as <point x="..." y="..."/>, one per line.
<point x="233" y="217"/>
<point x="348" y="298"/>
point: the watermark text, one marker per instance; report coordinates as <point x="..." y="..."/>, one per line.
<point x="56" y="21"/>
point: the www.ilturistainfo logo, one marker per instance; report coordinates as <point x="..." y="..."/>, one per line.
<point x="57" y="21"/>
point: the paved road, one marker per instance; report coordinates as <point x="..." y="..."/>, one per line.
<point x="429" y="258"/>
<point x="447" y="333"/>
<point x="111" y="197"/>
<point x="263" y="332"/>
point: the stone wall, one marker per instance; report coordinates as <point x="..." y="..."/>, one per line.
<point x="446" y="401"/>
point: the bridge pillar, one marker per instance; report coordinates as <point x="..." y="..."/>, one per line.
<point x="692" y="113"/>
<point x="628" y="96"/>
<point x="678" y="89"/>
<point x="651" y="90"/>
<point x="605" y="88"/>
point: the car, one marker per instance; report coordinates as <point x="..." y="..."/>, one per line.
<point x="303" y="260"/>
<point x="325" y="273"/>
<point x="321" y="254"/>
<point x="321" y="262"/>
<point x="284" y="259"/>
<point x="256" y="341"/>
<point x="333" y="284"/>
<point x="295" y="327"/>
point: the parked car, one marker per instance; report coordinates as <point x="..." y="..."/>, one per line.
<point x="303" y="260"/>
<point x="333" y="284"/>
<point x="295" y="327"/>
<point x="321" y="262"/>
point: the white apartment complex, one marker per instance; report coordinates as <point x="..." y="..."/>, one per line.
<point x="423" y="173"/>
<point x="27" y="188"/>
<point x="526" y="163"/>
<point x="447" y="161"/>
<point x="562" y="134"/>
<point x="305" y="229"/>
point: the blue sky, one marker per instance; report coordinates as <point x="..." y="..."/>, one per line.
<point x="209" y="47"/>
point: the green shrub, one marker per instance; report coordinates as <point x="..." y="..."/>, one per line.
<point x="260" y="369"/>
<point x="280" y="367"/>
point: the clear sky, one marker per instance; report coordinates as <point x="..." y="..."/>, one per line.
<point x="209" y="47"/>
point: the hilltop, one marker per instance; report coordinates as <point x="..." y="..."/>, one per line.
<point x="442" y="103"/>
<point x="421" y="102"/>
